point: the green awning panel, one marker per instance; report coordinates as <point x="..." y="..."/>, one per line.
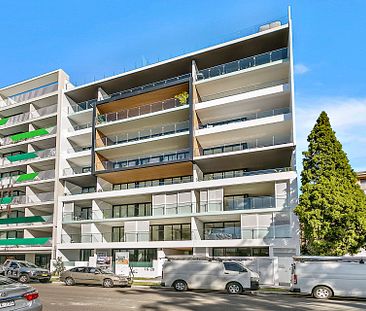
<point x="21" y="220"/>
<point x="26" y="177"/>
<point x="22" y="156"/>
<point x="3" y="121"/>
<point x="6" y="200"/>
<point x="25" y="241"/>
<point x="28" y="135"/>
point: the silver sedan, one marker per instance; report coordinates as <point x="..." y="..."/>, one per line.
<point x="16" y="296"/>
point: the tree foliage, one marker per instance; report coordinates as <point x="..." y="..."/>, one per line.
<point x="332" y="206"/>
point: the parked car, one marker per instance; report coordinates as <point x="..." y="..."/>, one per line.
<point x="231" y="276"/>
<point x="324" y="277"/>
<point x="17" y="296"/>
<point x="92" y="275"/>
<point x="24" y="271"/>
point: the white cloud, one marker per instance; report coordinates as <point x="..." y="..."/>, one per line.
<point x="348" y="119"/>
<point x="301" y="69"/>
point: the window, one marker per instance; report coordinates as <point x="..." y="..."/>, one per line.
<point x="234" y="266"/>
<point x="174" y="232"/>
<point x="92" y="270"/>
<point x="222" y="230"/>
<point x="117" y="234"/>
<point x="240" y="252"/>
<point x="131" y="210"/>
<point x="85" y="254"/>
<point x="80" y="270"/>
<point x="140" y="257"/>
<point x="13" y="265"/>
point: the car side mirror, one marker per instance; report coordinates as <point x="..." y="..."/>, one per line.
<point x="96" y="272"/>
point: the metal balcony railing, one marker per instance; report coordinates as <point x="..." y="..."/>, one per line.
<point x="28" y="95"/>
<point x="139" y="111"/>
<point x="163" y="130"/>
<point x="248" y="117"/>
<point x="244" y="63"/>
<point x="13" y="139"/>
<point x="249" y="144"/>
<point x="152" y="159"/>
<point x="28" y="157"/>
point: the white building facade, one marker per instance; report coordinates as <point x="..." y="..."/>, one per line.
<point x="191" y="156"/>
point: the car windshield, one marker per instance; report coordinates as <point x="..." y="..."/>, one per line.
<point x="27" y="264"/>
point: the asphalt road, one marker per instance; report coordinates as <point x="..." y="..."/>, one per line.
<point x="57" y="297"/>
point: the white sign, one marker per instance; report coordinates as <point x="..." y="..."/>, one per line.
<point x="122" y="263"/>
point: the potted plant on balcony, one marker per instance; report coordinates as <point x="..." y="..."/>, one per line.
<point x="182" y="97"/>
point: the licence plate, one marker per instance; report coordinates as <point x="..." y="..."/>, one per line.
<point x="44" y="274"/>
<point x="6" y="304"/>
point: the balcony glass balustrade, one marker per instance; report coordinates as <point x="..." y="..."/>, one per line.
<point x="244" y="63"/>
<point x="249" y="144"/>
<point x="248" y="117"/>
<point x="272" y="232"/>
<point x="145" y="160"/>
<point x="16" y="138"/>
<point x="23" y="158"/>
<point x="86" y="105"/>
<point x="139" y="111"/>
<point x="28" y="177"/>
<point x="27" y="116"/>
<point x="70" y="171"/>
<point x="28" y="199"/>
<point x="167" y="129"/>
<point x="242" y="173"/>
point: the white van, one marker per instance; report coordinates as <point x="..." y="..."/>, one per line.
<point x="231" y="276"/>
<point x="324" y="277"/>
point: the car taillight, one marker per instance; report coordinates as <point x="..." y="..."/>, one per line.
<point x="31" y="296"/>
<point x="294" y="278"/>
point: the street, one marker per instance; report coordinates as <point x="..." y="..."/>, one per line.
<point x="57" y="297"/>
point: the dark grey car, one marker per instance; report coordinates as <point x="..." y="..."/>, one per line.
<point x="15" y="296"/>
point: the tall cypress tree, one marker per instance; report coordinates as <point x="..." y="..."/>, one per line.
<point x="332" y="207"/>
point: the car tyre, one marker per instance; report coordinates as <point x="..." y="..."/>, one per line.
<point x="69" y="281"/>
<point x="180" y="285"/>
<point x="234" y="288"/>
<point x="24" y="278"/>
<point x="108" y="283"/>
<point x="322" y="292"/>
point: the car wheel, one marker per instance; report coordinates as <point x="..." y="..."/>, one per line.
<point x="69" y="281"/>
<point x="322" y="292"/>
<point x="24" y="278"/>
<point x="234" y="288"/>
<point x="108" y="283"/>
<point x="180" y="286"/>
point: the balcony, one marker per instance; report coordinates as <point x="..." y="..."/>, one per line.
<point x="248" y="117"/>
<point x="86" y="105"/>
<point x="242" y="64"/>
<point x="18" y="221"/>
<point x="28" y="199"/>
<point x="174" y="209"/>
<point x="27" y="116"/>
<point x="148" y="160"/>
<point x="164" y="130"/>
<point x="17" y="138"/>
<point x="79" y="127"/>
<point x="146" y="88"/>
<point x="139" y="111"/>
<point x="87" y="238"/>
<point x="26" y="178"/>
<point x="244" y="173"/>
<point x="28" y="95"/>
<point x="24" y="158"/>
<point x="272" y="232"/>
<point x="71" y="171"/>
<point x="247" y="145"/>
<point x="26" y="242"/>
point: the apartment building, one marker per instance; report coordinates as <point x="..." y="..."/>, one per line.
<point x="191" y="156"/>
<point x="29" y="119"/>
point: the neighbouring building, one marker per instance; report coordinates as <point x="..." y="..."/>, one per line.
<point x="361" y="176"/>
<point x="194" y="155"/>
